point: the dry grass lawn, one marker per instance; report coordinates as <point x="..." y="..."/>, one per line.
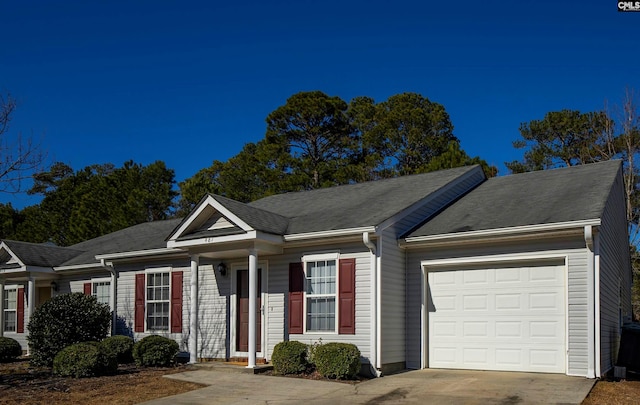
<point x="614" y="393"/>
<point x="22" y="384"/>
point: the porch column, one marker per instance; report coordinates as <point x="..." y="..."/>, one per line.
<point x="193" y="310"/>
<point x="31" y="301"/>
<point x="1" y="307"/>
<point x="253" y="290"/>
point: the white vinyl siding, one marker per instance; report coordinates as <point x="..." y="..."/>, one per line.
<point x="615" y="275"/>
<point x="214" y="291"/>
<point x="575" y="251"/>
<point x="277" y="308"/>
<point x="125" y="301"/>
<point x="393" y="273"/>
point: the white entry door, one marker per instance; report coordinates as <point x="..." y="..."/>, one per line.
<point x="509" y="318"/>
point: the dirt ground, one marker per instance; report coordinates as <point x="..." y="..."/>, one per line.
<point x="612" y="392"/>
<point x="22" y="384"/>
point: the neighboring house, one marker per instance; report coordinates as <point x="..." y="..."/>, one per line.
<point x="527" y="272"/>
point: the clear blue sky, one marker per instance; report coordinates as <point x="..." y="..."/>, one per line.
<point x="189" y="82"/>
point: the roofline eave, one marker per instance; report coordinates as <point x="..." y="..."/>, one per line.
<point x="295" y="237"/>
<point x="139" y="253"/>
<point x="73" y="267"/>
<point x="509" y="232"/>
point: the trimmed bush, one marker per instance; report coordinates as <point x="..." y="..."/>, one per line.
<point x="290" y="357"/>
<point x="86" y="359"/>
<point x="64" y="320"/>
<point x="10" y="349"/>
<point x="337" y="360"/>
<point x="155" y="350"/>
<point x="121" y="347"/>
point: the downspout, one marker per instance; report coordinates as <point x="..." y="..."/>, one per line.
<point x="596" y="270"/>
<point x="592" y="305"/>
<point x="114" y="297"/>
<point x="374" y="364"/>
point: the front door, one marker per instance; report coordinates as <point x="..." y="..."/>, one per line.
<point x="44" y="294"/>
<point x="242" y="305"/>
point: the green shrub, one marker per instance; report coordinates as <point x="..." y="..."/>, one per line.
<point x="121" y="347"/>
<point x="86" y="359"/>
<point x="155" y="350"/>
<point x="337" y="360"/>
<point x="64" y="320"/>
<point x="10" y="349"/>
<point x="290" y="357"/>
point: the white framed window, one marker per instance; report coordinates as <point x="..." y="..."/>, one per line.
<point x="158" y="300"/>
<point x="101" y="289"/>
<point x="10" y="298"/>
<point x="321" y="286"/>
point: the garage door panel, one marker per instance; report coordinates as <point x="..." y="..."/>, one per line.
<point x="475" y="302"/>
<point x="508" y="329"/>
<point x="498" y="319"/>
<point x="473" y="278"/>
<point x="447" y="303"/>
<point x="508" y="302"/>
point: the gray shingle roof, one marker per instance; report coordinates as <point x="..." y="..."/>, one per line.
<point x="354" y="205"/>
<point x="542" y="197"/>
<point x="41" y="254"/>
<point x="257" y="218"/>
<point x="148" y="235"/>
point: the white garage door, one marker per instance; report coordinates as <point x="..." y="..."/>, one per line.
<point x="510" y="319"/>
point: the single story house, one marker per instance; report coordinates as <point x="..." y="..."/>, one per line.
<point x="449" y="269"/>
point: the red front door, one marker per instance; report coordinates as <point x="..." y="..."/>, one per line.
<point x="242" y="304"/>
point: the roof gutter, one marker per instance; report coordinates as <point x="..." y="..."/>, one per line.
<point x="87" y="266"/>
<point x="328" y="234"/>
<point x="139" y="253"/>
<point x="510" y="231"/>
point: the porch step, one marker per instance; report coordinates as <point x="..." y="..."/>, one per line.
<point x="232" y="367"/>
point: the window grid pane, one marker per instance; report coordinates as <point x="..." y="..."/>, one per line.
<point x="158" y="301"/>
<point x="101" y="291"/>
<point x="10" y="321"/>
<point x="10" y="306"/>
<point x="321" y="295"/>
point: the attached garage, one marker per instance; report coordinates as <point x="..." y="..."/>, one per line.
<point x="505" y="317"/>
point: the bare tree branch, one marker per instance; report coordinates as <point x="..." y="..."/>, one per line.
<point x="20" y="157"/>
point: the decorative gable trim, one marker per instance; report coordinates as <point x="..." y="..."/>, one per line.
<point x="14" y="258"/>
<point x="206" y="209"/>
<point x="216" y="222"/>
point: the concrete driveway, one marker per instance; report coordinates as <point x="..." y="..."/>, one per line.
<point x="412" y="387"/>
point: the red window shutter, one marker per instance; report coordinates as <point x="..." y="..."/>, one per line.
<point x="347" y="297"/>
<point x="176" y="302"/>
<point x="139" y="314"/>
<point x="20" y="311"/>
<point x="296" y="297"/>
<point x="87" y="288"/>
